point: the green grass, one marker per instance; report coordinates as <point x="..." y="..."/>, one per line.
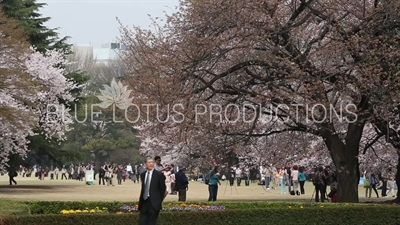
<point x="13" y="208"/>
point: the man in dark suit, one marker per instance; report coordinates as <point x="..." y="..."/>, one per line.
<point x="152" y="194"/>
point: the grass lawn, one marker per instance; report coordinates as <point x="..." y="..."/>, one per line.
<point x="72" y="190"/>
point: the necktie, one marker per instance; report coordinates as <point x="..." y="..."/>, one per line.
<point x="147" y="186"/>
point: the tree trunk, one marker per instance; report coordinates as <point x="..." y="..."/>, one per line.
<point x="344" y="156"/>
<point x="347" y="185"/>
<point x="398" y="178"/>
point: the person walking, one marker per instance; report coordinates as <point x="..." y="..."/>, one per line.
<point x="120" y="174"/>
<point x="246" y="176"/>
<point x="390" y="187"/>
<point x="129" y="169"/>
<point x="267" y="175"/>
<point x="367" y="185"/>
<point x="11" y="174"/>
<point x="167" y="173"/>
<point x="181" y="184"/>
<point x="63" y="172"/>
<point x="384" y="178"/>
<point x="56" y="172"/>
<point x="290" y="181"/>
<point x="238" y="175"/>
<point x="213" y="184"/>
<point x="173" y="188"/>
<point x="102" y="174"/>
<point x="373" y="182"/>
<point x="152" y="194"/>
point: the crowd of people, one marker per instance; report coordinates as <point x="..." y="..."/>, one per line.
<point x="385" y="181"/>
<point x="175" y="179"/>
<point x="289" y="179"/>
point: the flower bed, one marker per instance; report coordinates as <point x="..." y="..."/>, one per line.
<point x="87" y="210"/>
<point x="134" y="208"/>
<point x="179" y="207"/>
<point x="55" y="207"/>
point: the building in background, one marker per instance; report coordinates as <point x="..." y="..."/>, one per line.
<point x="106" y="53"/>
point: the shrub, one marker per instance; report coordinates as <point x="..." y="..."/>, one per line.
<point x="294" y="215"/>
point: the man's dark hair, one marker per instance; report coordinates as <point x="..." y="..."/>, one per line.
<point x="157" y="158"/>
<point x="147" y="159"/>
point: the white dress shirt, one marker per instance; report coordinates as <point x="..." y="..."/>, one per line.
<point x="148" y="173"/>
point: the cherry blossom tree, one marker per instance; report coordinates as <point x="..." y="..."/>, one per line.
<point x="293" y="61"/>
<point x="33" y="93"/>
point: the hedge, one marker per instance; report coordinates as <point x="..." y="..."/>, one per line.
<point x="47" y="207"/>
<point x="387" y="215"/>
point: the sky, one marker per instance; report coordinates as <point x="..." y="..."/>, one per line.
<point x="93" y="22"/>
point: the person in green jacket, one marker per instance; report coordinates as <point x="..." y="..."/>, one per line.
<point x="213" y="184"/>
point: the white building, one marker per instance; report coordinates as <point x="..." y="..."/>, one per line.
<point x="83" y="51"/>
<point x="108" y="52"/>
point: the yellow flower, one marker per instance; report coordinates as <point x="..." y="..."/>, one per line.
<point x="85" y="211"/>
<point x="322" y="206"/>
<point x="104" y="208"/>
<point x="301" y="206"/>
<point x="78" y="211"/>
<point x="92" y="211"/>
<point x="64" y="211"/>
<point x="290" y="206"/>
<point x="72" y="211"/>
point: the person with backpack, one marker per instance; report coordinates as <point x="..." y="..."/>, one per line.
<point x="213" y="184"/>
<point x="373" y="182"/>
<point x="319" y="184"/>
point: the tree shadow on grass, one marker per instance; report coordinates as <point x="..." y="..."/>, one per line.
<point x="15" y="189"/>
